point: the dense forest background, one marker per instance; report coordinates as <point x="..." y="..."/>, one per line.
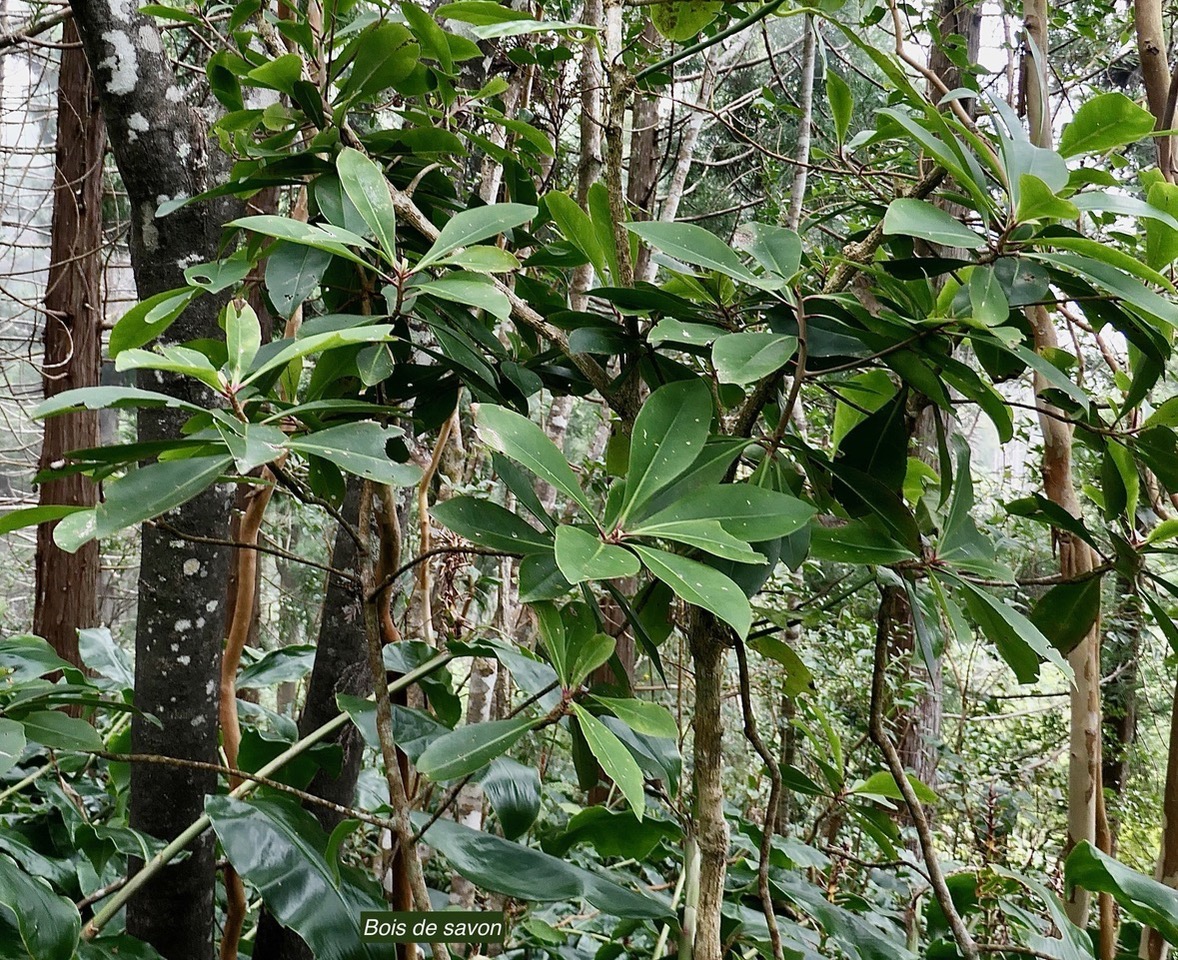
<point x="701" y="477"/>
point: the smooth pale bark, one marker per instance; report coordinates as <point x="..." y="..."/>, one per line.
<point x="1152" y="49"/>
<point x="66" y="595"/>
<point x="161" y="145"/>
<point x="709" y="828"/>
<point x="1075" y="557"/>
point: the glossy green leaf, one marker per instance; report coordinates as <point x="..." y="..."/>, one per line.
<point x="108" y="398"/>
<point x="585" y="657"/>
<point x="987" y="299"/>
<point x="653" y="719"/>
<point x="280" y="850"/>
<point x="492" y="863"/>
<point x="754" y="514"/>
<point x="153" y="490"/>
<point x="470" y="226"/>
<point x="284" y="665"/>
<point x="360" y="449"/>
<point x="1105" y="122"/>
<point x="613" y="833"/>
<point x="524" y="442"/>
<point x="926" y="221"/>
<point x="1151" y="903"/>
<point x="669" y="434"/>
<point x="481" y="259"/>
<point x="514" y="793"/>
<point x="743" y="358"/>
<point x="695" y="246"/>
<point x="49" y="925"/>
<point x="838" y="95"/>
<point x="582" y="556"/>
<point x="471" y="747"/>
<point x="243" y="339"/>
<point x="578" y="229"/>
<point x="366" y="186"/>
<point x="777" y="249"/>
<point x="1019" y="641"/>
<point x="470" y="289"/>
<point x="12" y="744"/>
<point x="707" y="535"/>
<point x="148" y="319"/>
<point x="1067" y="612"/>
<point x="1037" y="201"/>
<point x="682" y="20"/>
<point x="251" y="444"/>
<point x="173" y="359"/>
<point x="883" y="784"/>
<point x="33" y="516"/>
<point x="614" y="758"/>
<point x="59" y="731"/>
<point x="287" y="351"/>
<point x="1161" y="239"/>
<point x="490" y="525"/>
<point x="335" y="241"/>
<point x="281" y="73"/>
<point x="700" y="585"/>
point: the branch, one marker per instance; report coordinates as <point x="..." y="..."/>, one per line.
<point x="34" y="28"/>
<point x="879" y="735"/>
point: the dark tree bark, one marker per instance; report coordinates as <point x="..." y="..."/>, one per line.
<point x="161" y="146"/>
<point x="66" y="596"/>
<point x="339" y="667"/>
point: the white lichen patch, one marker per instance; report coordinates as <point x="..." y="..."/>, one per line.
<point x="151" y="236"/>
<point x="182" y="626"/>
<point x="184" y="660"/>
<point x="210" y="606"/>
<point x="123" y="63"/>
<point x="149" y="39"/>
<point x="174" y="95"/>
<point x="191" y="566"/>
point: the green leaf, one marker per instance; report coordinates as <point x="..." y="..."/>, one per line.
<point x="383" y="55"/>
<point x="284" y="665"/>
<point x="12" y="744"/>
<point x="708" y="535"/>
<point x="742" y="358"/>
<point x="492" y="863"/>
<point x="1104" y="202"/>
<point x="798" y="678"/>
<point x="614" y="758"/>
<point x="470" y="226"/>
<point x="1018" y="640"/>
<point x="682" y="20"/>
<point x="316" y="343"/>
<point x="431" y="37"/>
<point x="754" y="514"/>
<point x="480" y="13"/>
<point x="514" y="792"/>
<point x="642" y="716"/>
<point x="668" y="436"/>
<point x="280" y="850"/>
<point x="148" y="319"/>
<point x="676" y="331"/>
<point x="471" y="747"/>
<point x="153" y="490"/>
<point x="49" y="925"/>
<point x="524" y="442"/>
<point x="243" y="339"/>
<point x="1103" y="123"/>
<point x="490" y="525"/>
<point x="105" y="398"/>
<point x="251" y="444"/>
<point x="1161" y="239"/>
<point x="366" y="186"/>
<point x="700" y="585"/>
<point x="582" y="556"/>
<point x="1145" y="899"/>
<point x="777" y="249"/>
<point x="34" y="516"/>
<point x="594" y="651"/>
<point x="838" y="94"/>
<point x="59" y="731"/>
<point x="883" y="784"/>
<point x="359" y="448"/>
<point x="470" y="289"/>
<point x="578" y="229"/>
<point x="695" y="246"/>
<point x="987" y="299"/>
<point x="858" y="542"/>
<point x="305" y="234"/>
<point x="280" y="73"/>
<point x="926" y="221"/>
<point x="1037" y="201"/>
<point x="484" y="259"/>
<point x="182" y="360"/>
<point x="1066" y="613"/>
<point x="613" y="834"/>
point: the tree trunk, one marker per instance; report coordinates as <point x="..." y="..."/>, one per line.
<point x="66" y="596"/>
<point x="1153" y="947"/>
<point x="339" y="667"/>
<point x="709" y="829"/>
<point x="161" y="145"/>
